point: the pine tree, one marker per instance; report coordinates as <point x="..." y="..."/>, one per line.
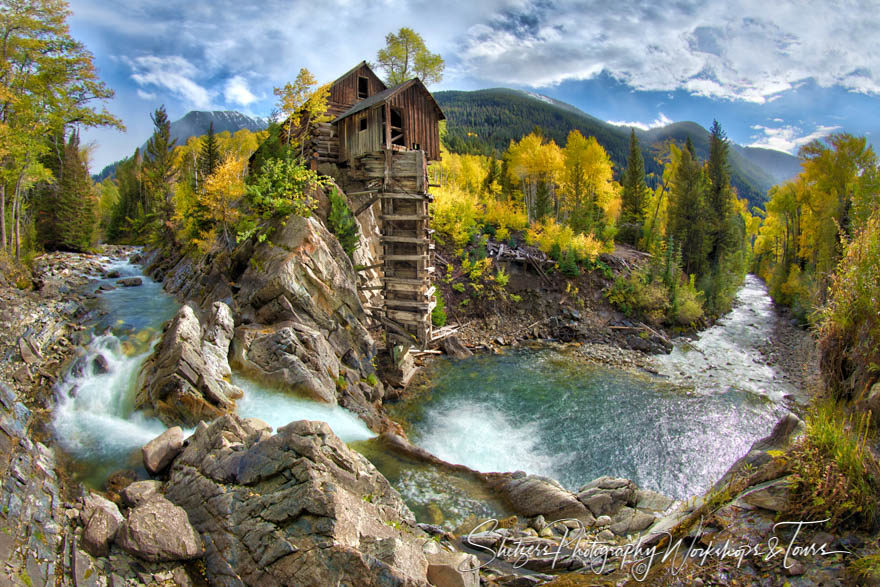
<point x="158" y="171"/>
<point x="719" y="197"/>
<point x="66" y="214"/>
<point x="634" y="193"/>
<point x="341" y="222"/>
<point x="687" y="217"/>
<point x="209" y="155"/>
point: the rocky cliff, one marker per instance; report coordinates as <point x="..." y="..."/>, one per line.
<point x="299" y="323"/>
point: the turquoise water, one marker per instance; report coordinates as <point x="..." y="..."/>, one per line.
<point x="95" y="420"/>
<point x="547" y="412"/>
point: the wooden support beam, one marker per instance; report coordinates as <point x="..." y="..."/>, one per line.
<point x="368" y="267"/>
<point x="405" y="217"/>
<point x="366" y="205"/>
<point x="364" y="193"/>
<point x="406" y="257"/>
<point x="405" y="196"/>
<point x="370" y="287"/>
<point x="405" y="281"/>
<point x="416" y="240"/>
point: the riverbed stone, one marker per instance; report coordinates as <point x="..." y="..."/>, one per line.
<point x="533" y="495"/>
<point x="159" y="452"/>
<point x="628" y="521"/>
<point x="773" y="495"/>
<point x="453" y="569"/>
<point x="651" y="500"/>
<point x="158" y="530"/>
<point x="130" y="282"/>
<point x="141" y="492"/>
<point x="453" y="347"/>
<point x="291" y="509"/>
<point x="100" y="531"/>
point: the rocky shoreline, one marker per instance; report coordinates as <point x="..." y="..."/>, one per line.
<point x="232" y="471"/>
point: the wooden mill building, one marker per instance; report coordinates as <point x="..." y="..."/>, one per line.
<point x="384" y="138"/>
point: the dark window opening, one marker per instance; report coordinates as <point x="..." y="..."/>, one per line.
<point x="363" y="88"/>
<point x="397" y="128"/>
<point x="362" y="124"/>
<point x="416" y="147"/>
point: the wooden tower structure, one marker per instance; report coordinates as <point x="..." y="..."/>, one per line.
<point x="385" y="138"/>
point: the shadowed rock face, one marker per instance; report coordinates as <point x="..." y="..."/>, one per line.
<point x="296" y="508"/>
<point x="299" y="325"/>
<point x="183" y="382"/>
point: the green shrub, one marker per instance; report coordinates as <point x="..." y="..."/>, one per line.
<point x="342" y="223"/>
<point x="438" y="314"/>
<point x="568" y="266"/>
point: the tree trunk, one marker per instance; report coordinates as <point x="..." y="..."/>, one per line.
<point x="3" y="217"/>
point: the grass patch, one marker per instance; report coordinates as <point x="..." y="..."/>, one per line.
<point x="835" y="475"/>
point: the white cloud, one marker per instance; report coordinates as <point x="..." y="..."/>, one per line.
<point x="787" y="138"/>
<point x="173" y="73"/>
<point x="748" y="50"/>
<point x="661" y="120"/>
<point x="237" y="92"/>
<point x="148" y="96"/>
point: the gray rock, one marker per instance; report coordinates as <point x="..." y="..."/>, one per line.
<point x="159" y="452"/>
<point x="291" y="508"/>
<point x="603" y="521"/>
<point x="532" y="495"/>
<point x="773" y="495"/>
<point x="651" y="500"/>
<point x="100" y="531"/>
<point x="94" y="502"/>
<point x="130" y="282"/>
<point x="157" y="531"/>
<point x="453" y="347"/>
<point x="629" y="521"/>
<point x="453" y="569"/>
<point x="183" y="383"/>
<point x="141" y="492"/>
<point x="606" y="536"/>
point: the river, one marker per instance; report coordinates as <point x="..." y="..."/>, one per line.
<point x="542" y="410"/>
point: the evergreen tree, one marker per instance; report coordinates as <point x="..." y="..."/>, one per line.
<point x="76" y="204"/>
<point x="65" y="207"/>
<point x="543" y="200"/>
<point x="634" y="193"/>
<point x="719" y="196"/>
<point x="687" y="218"/>
<point x="341" y="222"/>
<point x="209" y="155"/>
<point x="158" y="171"/>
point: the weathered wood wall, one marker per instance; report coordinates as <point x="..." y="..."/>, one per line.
<point x="343" y="92"/>
<point x="420" y="120"/>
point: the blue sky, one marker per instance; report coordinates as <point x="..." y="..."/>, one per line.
<point x="774" y="74"/>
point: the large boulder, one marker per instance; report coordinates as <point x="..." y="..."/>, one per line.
<point x="606" y="495"/>
<point x="533" y="495"/>
<point x="295" y="508"/>
<point x="183" y="382"/>
<point x="101" y="519"/>
<point x="158" y="530"/>
<point x="159" y="452"/>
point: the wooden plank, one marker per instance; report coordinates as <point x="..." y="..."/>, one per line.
<point x="406" y="257"/>
<point x="405" y="281"/>
<point x="406" y="217"/>
<point x="368" y="267"/>
<point x="370" y="287"/>
<point x="405" y="196"/>
<point x="431" y="291"/>
<point x="416" y="240"/>
<point x="399" y="304"/>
